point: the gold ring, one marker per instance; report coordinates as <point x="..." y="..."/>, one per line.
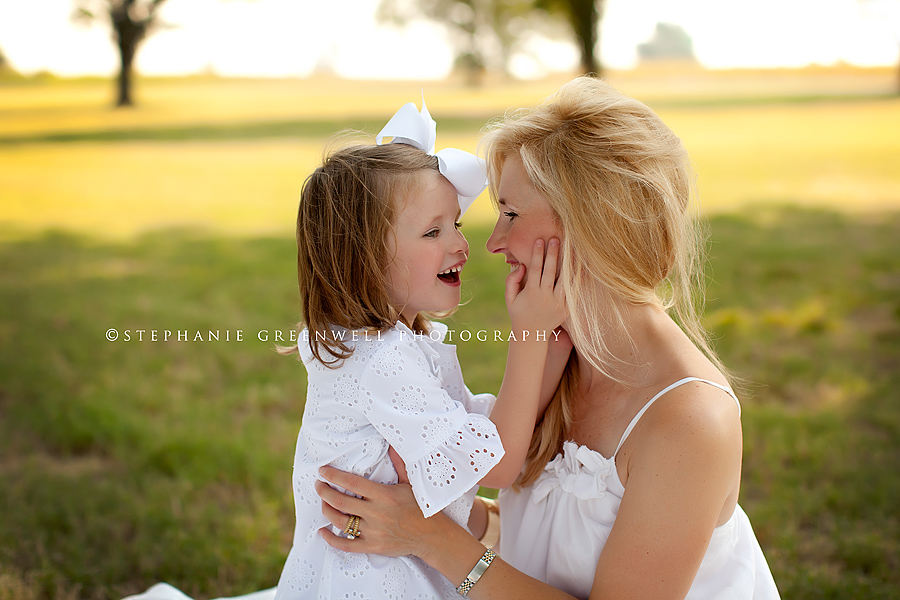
<point x="349" y="527"/>
<point x="352" y="527"/>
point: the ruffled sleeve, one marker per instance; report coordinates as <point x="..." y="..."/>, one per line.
<point x="447" y="450"/>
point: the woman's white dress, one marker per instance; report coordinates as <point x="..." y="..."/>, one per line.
<point x="555" y="529"/>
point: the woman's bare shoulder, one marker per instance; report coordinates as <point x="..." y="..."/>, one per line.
<point x="691" y="407"/>
<point x="694" y="419"/>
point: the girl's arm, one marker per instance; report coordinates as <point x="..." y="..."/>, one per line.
<point x="557" y="357"/>
<point x="536" y="309"/>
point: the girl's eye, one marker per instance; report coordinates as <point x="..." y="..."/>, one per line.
<point x="458" y="225"/>
<point x="511" y="215"/>
<point x="432" y="233"/>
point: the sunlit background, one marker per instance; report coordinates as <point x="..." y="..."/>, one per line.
<point x="294" y="38"/>
<point x="126" y="462"/>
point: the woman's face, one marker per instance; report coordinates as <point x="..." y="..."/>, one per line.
<point x="525" y="216"/>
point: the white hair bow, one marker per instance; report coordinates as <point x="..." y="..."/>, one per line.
<point x="462" y="169"/>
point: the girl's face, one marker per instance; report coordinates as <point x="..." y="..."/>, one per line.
<point x="525" y="216"/>
<point x="427" y="247"/>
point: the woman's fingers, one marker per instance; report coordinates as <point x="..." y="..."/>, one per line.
<point x="350" y="482"/>
<point x="345" y="544"/>
<point x="358" y="545"/>
<point x="344" y="503"/>
<point x="335" y="517"/>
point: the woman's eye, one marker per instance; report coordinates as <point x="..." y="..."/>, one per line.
<point x="511" y="215"/>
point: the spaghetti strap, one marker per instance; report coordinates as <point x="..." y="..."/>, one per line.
<point x="680" y="382"/>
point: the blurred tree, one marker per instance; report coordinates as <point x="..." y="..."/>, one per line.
<point x="486" y="33"/>
<point x="669" y="42"/>
<point x="132" y="21"/>
<point x="479" y="30"/>
<point x="584" y="18"/>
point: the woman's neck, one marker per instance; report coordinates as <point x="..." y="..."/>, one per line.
<point x="635" y="354"/>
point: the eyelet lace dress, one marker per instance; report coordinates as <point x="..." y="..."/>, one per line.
<point x="555" y="529"/>
<point x="398" y="389"/>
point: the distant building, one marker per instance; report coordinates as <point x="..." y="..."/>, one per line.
<point x="669" y="43"/>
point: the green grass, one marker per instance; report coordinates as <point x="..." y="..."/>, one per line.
<point x="125" y="463"/>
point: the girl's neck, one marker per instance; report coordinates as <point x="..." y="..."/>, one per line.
<point x="415" y="323"/>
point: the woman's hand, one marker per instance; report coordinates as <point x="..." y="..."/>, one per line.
<point x="391" y="523"/>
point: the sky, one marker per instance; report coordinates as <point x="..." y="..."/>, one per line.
<point x="290" y="38"/>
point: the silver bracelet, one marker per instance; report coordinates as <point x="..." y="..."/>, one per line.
<point x="475" y="574"/>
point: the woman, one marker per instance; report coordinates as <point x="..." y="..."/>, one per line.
<point x="643" y="405"/>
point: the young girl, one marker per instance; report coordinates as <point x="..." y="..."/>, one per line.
<point x="379" y="250"/>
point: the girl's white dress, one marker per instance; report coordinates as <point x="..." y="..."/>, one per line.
<point x="398" y="389"/>
<point x="555" y="529"/>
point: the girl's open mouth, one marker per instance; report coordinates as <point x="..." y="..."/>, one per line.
<point x="451" y="275"/>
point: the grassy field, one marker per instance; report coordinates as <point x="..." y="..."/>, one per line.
<point x="127" y="462"/>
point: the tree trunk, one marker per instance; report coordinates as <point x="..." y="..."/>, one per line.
<point x="585" y="19"/>
<point x="126" y="60"/>
<point x="129" y="33"/>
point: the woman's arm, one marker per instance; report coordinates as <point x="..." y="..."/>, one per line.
<point x="682" y="476"/>
<point x="391" y="524"/>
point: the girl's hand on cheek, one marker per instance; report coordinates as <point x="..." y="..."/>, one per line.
<point x="539" y="304"/>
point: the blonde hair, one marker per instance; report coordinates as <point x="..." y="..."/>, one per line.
<point x="619" y="183"/>
<point x="347" y="210"/>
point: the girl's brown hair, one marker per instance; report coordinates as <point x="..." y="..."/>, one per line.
<point x="347" y="210"/>
<point x="620" y="183"/>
